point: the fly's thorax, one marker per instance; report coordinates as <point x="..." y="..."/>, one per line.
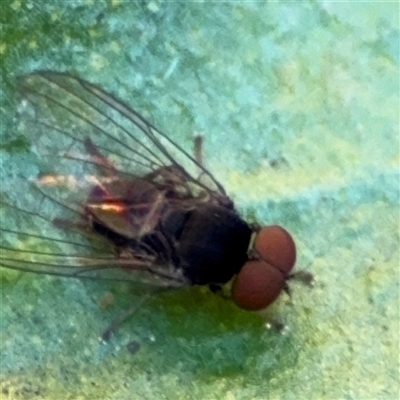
<point x="213" y="245"/>
<point x="173" y="223"/>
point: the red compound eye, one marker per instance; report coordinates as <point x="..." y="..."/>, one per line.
<point x="260" y="282"/>
<point x="257" y="285"/>
<point x="275" y="245"/>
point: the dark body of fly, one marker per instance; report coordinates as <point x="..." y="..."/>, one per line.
<point x="105" y="172"/>
<point x="208" y="244"/>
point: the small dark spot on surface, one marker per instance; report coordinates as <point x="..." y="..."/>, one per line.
<point x="100" y="17"/>
<point x="133" y="347"/>
<point x="279" y="163"/>
<point x="15" y="145"/>
<point x="37" y="320"/>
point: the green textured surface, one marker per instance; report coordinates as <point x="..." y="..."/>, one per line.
<point x="311" y="88"/>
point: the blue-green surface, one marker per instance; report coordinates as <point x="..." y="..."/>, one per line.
<point x="299" y="105"/>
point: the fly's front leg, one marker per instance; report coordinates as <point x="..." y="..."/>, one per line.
<point x="303" y="276"/>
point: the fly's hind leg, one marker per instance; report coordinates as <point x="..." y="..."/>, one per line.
<point x="198" y="141"/>
<point x="101" y="161"/>
<point x="117" y="322"/>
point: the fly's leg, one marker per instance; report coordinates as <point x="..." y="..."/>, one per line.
<point x="117" y="322"/>
<point x="102" y="163"/>
<point x="303" y="276"/>
<point x="173" y="174"/>
<point x="198" y="148"/>
<point x="221" y="200"/>
<point x="224" y="291"/>
<point x="198" y="142"/>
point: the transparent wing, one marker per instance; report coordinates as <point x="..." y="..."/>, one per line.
<point x="32" y="240"/>
<point x="68" y="110"/>
<point x="81" y="137"/>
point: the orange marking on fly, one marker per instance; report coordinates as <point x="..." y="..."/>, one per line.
<point x="71" y="181"/>
<point x="57" y="180"/>
<point x="260" y="282"/>
<point x="111" y="207"/>
<point x="103" y="199"/>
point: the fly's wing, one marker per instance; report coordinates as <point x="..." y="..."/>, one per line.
<point x="82" y="137"/>
<point x="35" y="239"/>
<point x="82" y="116"/>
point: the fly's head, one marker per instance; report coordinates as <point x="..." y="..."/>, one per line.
<point x="263" y="277"/>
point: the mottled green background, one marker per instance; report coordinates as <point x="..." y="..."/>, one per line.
<point x="299" y="104"/>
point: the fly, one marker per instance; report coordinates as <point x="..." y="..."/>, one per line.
<point x="104" y="194"/>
